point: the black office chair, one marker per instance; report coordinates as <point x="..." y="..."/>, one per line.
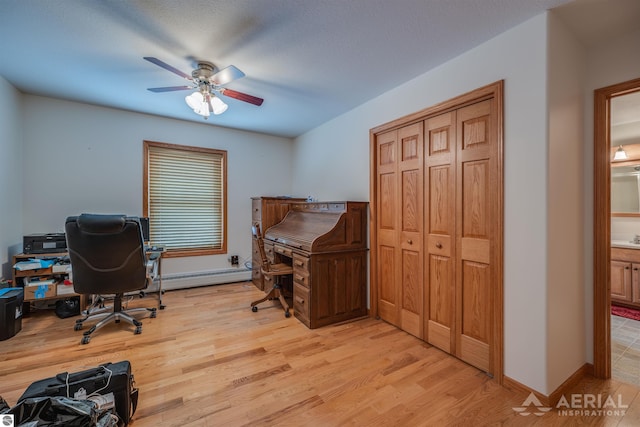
<point x="107" y="257"/>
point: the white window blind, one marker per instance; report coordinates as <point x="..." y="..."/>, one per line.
<point x="186" y="197"/>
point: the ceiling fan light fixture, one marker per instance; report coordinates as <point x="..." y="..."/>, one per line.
<point x="206" y="78"/>
<point x="197" y="102"/>
<point x="194" y="100"/>
<point x="217" y="105"/>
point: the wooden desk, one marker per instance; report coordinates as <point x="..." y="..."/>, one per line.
<point x="327" y="243"/>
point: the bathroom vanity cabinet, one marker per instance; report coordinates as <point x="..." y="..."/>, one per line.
<point x="625" y="277"/>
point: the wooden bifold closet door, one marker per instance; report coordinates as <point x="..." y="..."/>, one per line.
<point x="400" y="230"/>
<point x="437" y="228"/>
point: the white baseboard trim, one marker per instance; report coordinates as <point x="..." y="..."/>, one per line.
<point x="203" y="278"/>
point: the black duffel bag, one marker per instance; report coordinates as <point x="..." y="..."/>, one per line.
<point x="110" y="384"/>
<point x="55" y="411"/>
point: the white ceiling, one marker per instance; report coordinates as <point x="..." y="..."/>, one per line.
<point x="311" y="60"/>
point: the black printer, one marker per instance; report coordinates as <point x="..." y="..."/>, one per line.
<point x="44" y="243"/>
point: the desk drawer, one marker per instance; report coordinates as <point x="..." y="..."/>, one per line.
<point x="256" y="210"/>
<point x="301" y="277"/>
<point x="255" y="253"/>
<point x="301" y="301"/>
<point x="301" y="262"/>
<point x="255" y="273"/>
<point x="35" y="272"/>
<point x="283" y="250"/>
<point x="301" y="270"/>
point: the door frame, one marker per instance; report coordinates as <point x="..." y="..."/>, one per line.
<point x="602" y="223"/>
<point x="496" y="91"/>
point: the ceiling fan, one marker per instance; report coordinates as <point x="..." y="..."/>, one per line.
<point x="207" y="80"/>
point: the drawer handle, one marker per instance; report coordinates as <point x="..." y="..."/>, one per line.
<point x="299" y="278"/>
<point x="439" y="245"/>
<point x="410" y="242"/>
<point x="299" y="263"/>
<point x="300" y="300"/>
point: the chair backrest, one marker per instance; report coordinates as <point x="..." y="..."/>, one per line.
<point x="107" y="253"/>
<point x="257" y="235"/>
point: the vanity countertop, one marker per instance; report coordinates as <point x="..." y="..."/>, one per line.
<point x="627" y="244"/>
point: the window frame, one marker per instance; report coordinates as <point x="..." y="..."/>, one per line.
<point x="145" y="195"/>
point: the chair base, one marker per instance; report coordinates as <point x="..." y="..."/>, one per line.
<point x="97" y="306"/>
<point x="274" y="293"/>
<point x="116" y="315"/>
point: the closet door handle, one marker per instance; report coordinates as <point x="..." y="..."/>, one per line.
<point x="410" y="242"/>
<point x="439" y="245"/>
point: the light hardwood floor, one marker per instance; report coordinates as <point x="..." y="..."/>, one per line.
<point x="207" y="360"/>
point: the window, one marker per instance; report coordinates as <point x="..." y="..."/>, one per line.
<point x="185" y="198"/>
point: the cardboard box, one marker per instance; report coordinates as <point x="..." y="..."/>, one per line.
<point x="35" y="291"/>
<point x="64" y="289"/>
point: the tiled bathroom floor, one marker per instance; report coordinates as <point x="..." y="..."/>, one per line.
<point x="625" y="350"/>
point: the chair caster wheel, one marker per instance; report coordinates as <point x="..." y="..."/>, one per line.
<point x="77" y="326"/>
<point x="162" y="306"/>
<point x="254" y="308"/>
<point x="153" y="314"/>
<point x="287" y="314"/>
<point x="86" y="339"/>
<point x="138" y="330"/>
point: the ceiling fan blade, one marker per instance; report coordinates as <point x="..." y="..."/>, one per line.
<point x="167" y="67"/>
<point x="226" y="75"/>
<point x="242" y="96"/>
<point x="169" y="88"/>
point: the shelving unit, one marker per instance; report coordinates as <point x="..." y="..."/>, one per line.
<point x="19" y="277"/>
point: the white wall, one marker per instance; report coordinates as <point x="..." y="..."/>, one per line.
<point x="609" y="62"/>
<point x="83" y="158"/>
<point x="624" y="228"/>
<point x="332" y="162"/>
<point x="10" y="176"/>
<point x="566" y="332"/>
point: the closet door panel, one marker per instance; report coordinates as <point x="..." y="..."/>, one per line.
<point x="441" y="302"/>
<point x="476" y="138"/>
<point x="475" y="336"/>
<point x="410" y="236"/>
<point x="475" y="194"/>
<point x="440" y="230"/>
<point x="474" y="233"/>
<point x="387" y="227"/>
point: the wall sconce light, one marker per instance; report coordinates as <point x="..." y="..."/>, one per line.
<point x="620" y="154"/>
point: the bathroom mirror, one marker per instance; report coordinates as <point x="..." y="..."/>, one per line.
<point x="625" y="189"/>
<point x="625" y="173"/>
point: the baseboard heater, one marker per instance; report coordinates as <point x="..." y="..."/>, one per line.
<point x="203" y="278"/>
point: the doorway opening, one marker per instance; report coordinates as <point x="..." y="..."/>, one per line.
<point x="602" y="223"/>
